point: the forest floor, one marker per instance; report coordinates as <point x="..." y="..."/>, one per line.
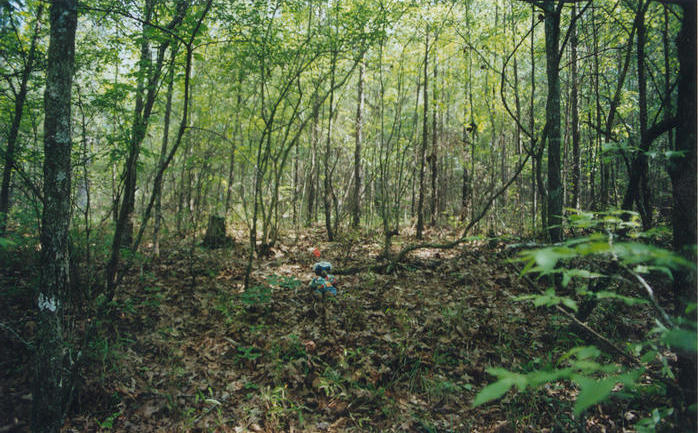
<point x="187" y="350"/>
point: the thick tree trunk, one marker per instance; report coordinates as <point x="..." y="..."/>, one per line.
<point x="552" y="117"/>
<point x="683" y="180"/>
<point x="51" y="386"/>
<point x="10" y="157"/>
<point x="216" y="233"/>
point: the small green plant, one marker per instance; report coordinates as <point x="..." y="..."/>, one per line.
<point x="256" y="295"/>
<point x="248" y="354"/>
<point x="227" y="304"/>
<point x="280" y="406"/>
<point x="332" y="383"/>
<point x="154" y="297"/>
<point x="290" y="283"/>
<point x="109" y="421"/>
<point x="290" y="348"/>
<point x="438" y="387"/>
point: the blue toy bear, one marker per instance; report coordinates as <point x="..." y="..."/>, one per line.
<point x="324" y="282"/>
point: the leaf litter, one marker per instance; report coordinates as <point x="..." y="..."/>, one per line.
<point x="402" y="352"/>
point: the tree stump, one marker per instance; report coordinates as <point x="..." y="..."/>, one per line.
<point x="215" y="233"/>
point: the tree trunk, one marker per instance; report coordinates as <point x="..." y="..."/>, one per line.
<point x="51" y="387"/>
<point x="433" y="158"/>
<point x="576" y="168"/>
<point x="14" y="126"/>
<point x="327" y="192"/>
<point x="356" y="203"/>
<point x="233" y="146"/>
<point x="637" y="191"/>
<point x="215" y="236"/>
<point x="314" y="137"/>
<point x="123" y="232"/>
<point x="532" y="126"/>
<point x="425" y="137"/>
<point x="604" y="172"/>
<point x="683" y="181"/>
<point x="552" y="117"/>
<point x="157" y="189"/>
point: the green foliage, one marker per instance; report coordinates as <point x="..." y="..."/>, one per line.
<point x="279" y="406"/>
<point x="549" y="299"/>
<point x="649" y="424"/>
<point x="109" y="421"/>
<point x="6" y="243"/>
<point x="248" y="354"/>
<point x="570" y="261"/>
<point x="283" y="281"/>
<point x="289" y="349"/>
<point x="594" y="380"/>
<point x="256" y="295"/>
<point x="154" y="297"/>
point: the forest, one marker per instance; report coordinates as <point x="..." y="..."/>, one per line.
<point x="348" y="216"/>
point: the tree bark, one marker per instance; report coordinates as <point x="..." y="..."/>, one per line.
<point x="51" y="386"/>
<point x="327" y="192"/>
<point x="682" y="170"/>
<point x="552" y="117"/>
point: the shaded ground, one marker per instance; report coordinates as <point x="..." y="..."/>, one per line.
<point x="189" y="351"/>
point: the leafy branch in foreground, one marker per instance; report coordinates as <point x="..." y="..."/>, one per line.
<point x="570" y="267"/>
<point x="582" y="368"/>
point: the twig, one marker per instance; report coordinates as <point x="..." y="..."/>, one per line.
<point x="650" y="294"/>
<point x="16" y="335"/>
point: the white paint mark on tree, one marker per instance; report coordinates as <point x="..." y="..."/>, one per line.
<point x="48" y="303"/>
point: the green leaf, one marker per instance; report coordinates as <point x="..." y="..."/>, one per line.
<point x="649" y="356"/>
<point x="493" y="391"/>
<point x="570" y="303"/>
<point x="592" y="392"/>
<point x="683" y="339"/>
<point x="625" y="299"/>
<point x="6" y="243"/>
<point x="582" y="352"/>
